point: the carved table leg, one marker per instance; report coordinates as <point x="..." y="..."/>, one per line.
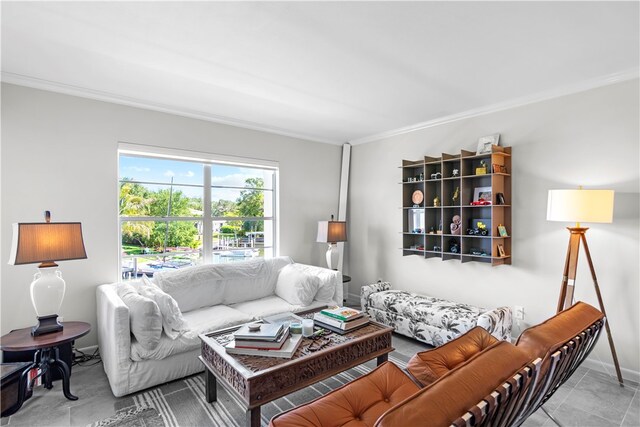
<point x="383" y="358"/>
<point x="253" y="417"/>
<point x="211" y="386"/>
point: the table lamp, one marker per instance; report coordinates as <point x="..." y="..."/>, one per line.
<point x="581" y="206"/>
<point x="332" y="232"/>
<point x="46" y="243"/>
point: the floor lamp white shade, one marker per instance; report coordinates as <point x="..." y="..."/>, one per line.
<point x="46" y="243"/>
<point x="580" y="205"/>
<point x="332" y="232"/>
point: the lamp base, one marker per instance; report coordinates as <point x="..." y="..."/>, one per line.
<point x="332" y="256"/>
<point x="46" y="325"/>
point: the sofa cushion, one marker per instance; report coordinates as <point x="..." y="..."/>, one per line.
<point x="269" y="306"/>
<point x="452" y="395"/>
<point x="327" y="286"/>
<point x="296" y="284"/>
<point x="456" y="317"/>
<point x="428" y="366"/>
<point x="173" y="323"/>
<point x="144" y="315"/>
<point x="192" y="287"/>
<point x="200" y="321"/>
<point x="245" y="280"/>
<point x="358" y="403"/>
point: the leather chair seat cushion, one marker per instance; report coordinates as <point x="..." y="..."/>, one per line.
<point x="428" y="366"/>
<point x="445" y="400"/>
<point x="358" y="403"/>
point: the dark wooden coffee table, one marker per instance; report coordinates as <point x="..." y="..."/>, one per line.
<point x="257" y="380"/>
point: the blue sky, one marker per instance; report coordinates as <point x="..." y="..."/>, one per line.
<point x="161" y="170"/>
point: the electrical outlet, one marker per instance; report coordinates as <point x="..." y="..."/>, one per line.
<point x="518" y="312"/>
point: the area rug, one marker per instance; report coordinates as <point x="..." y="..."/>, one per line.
<point x="182" y="402"/>
<point x="143" y="416"/>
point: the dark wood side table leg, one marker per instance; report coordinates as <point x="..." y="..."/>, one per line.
<point x="383" y="358"/>
<point x="211" y="386"/>
<point x="253" y="417"/>
<point x="64" y="370"/>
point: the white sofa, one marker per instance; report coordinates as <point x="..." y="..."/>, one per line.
<point x="231" y="293"/>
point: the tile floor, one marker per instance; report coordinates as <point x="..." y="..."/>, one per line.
<point x="589" y="398"/>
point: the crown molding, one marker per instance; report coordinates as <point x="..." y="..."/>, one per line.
<point x="585" y="85"/>
<point x="36" y="83"/>
<point x="82" y="92"/>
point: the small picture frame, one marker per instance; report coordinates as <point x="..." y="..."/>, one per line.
<point x="500" y="199"/>
<point x="486" y="142"/>
<point x="501" y="251"/>
<point x="482" y="193"/>
<point x="502" y="231"/>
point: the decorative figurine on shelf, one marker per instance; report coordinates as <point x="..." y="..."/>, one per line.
<point x="454" y="247"/>
<point x="455" y="172"/>
<point x="436" y="201"/>
<point x="439" y="228"/>
<point x="456" y="195"/>
<point x="421" y="177"/>
<point x="482" y="170"/>
<point x="432" y="231"/>
<point x="455" y="225"/>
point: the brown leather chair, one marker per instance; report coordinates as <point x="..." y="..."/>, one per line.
<point x="472" y="380"/>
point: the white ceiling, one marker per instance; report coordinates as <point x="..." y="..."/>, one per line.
<point x="325" y="71"/>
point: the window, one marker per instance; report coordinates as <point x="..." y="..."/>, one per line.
<point x="177" y="211"/>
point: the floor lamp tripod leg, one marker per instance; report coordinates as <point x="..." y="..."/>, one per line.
<point x="606" y="324"/>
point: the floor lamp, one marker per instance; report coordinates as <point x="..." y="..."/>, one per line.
<point x="581" y="206"/>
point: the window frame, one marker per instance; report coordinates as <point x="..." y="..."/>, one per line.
<point x="207" y="161"/>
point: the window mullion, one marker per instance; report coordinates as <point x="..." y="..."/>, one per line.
<point x="207" y="223"/>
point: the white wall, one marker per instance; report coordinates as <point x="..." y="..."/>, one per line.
<point x="588" y="139"/>
<point x="59" y="153"/>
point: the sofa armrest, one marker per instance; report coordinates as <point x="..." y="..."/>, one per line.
<point x="497" y="322"/>
<point x="367" y="290"/>
<point x="114" y="338"/>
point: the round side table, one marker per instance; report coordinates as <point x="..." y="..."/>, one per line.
<point x="47" y="355"/>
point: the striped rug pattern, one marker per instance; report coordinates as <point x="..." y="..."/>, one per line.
<point x="183" y="403"/>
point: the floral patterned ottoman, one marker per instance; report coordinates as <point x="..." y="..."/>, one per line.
<point x="431" y="320"/>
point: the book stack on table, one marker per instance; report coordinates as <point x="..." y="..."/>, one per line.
<point x="340" y="319"/>
<point x="270" y="340"/>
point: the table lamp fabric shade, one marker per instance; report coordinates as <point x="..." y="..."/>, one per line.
<point x="332" y="231"/>
<point x="46" y="242"/>
<point x="580" y="205"/>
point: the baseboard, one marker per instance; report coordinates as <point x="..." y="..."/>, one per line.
<point x="609" y="369"/>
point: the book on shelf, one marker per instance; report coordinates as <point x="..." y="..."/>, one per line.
<point x="345" y="314"/>
<point x="345" y="326"/>
<point x="290" y="346"/>
<point x="267" y="332"/>
<point x="264" y="344"/>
